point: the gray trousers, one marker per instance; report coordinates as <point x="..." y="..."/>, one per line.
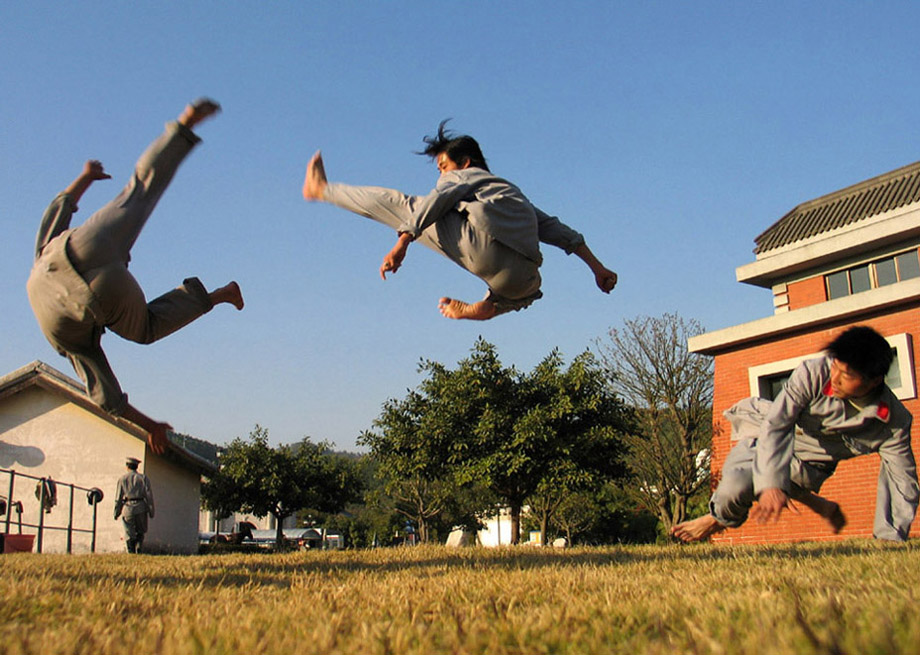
<point x="734" y="496"/>
<point x="513" y="280"/>
<point x="100" y="249"/>
<point x="134" y="521"/>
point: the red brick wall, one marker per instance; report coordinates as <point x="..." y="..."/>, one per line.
<point x="807" y="292"/>
<point x="853" y="485"/>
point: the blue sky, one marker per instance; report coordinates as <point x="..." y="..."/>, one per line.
<point x="669" y="133"/>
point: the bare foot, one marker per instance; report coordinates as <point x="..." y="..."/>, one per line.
<point x="478" y="311"/>
<point x="229" y="293"/>
<point x="697" y="530"/>
<point x="197" y="111"/>
<point x="314" y="184"/>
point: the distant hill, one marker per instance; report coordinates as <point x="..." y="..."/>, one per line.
<point x="200" y="447"/>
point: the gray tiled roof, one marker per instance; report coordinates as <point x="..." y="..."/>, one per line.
<point x="880" y="194"/>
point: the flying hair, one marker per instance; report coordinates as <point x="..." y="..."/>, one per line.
<point x="459" y="148"/>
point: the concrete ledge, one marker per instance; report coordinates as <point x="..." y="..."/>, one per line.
<point x="710" y="343"/>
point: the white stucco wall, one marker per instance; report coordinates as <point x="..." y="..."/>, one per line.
<point x="177" y="497"/>
<point x="44" y="435"/>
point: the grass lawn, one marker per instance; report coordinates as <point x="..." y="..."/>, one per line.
<point x="856" y="597"/>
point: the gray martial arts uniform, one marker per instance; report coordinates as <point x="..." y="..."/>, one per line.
<point x="795" y="443"/>
<point x="80" y="282"/>
<point x="477" y="220"/>
<point x="134" y="503"/>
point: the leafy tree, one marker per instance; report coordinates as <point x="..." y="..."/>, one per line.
<point x="581" y="423"/>
<point x="414" y="459"/>
<point x="483" y="432"/>
<point x="650" y="367"/>
<point x="256" y="478"/>
<point x="577" y="513"/>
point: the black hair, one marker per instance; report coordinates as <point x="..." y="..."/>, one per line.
<point x="131" y="465"/>
<point x="864" y="350"/>
<point x="458" y="147"/>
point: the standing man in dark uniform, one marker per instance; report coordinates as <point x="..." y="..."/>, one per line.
<point x="134" y="503"/>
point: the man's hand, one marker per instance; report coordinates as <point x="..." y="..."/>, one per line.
<point x="156" y="431"/>
<point x="605" y="279"/>
<point x="770" y="506"/>
<point x="393" y="259"/>
<point x="156" y="437"/>
<point x="93" y="170"/>
<point x="603" y="276"/>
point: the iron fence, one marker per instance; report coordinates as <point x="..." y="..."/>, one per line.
<point x="45" y="489"/>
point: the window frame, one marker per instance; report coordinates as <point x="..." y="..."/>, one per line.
<point x="872" y="271"/>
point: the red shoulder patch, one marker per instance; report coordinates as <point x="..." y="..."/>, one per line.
<point x="883" y="411"/>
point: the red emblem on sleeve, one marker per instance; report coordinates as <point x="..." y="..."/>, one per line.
<point x="883" y="411"/>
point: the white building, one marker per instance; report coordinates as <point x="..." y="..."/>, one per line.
<point x="49" y="428"/>
<point x="496" y="531"/>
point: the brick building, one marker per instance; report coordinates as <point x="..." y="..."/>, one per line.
<point x="847" y="258"/>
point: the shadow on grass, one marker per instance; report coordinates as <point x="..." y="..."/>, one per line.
<point x="286" y="570"/>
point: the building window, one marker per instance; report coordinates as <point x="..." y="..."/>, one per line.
<point x="767" y="380"/>
<point x="880" y="273"/>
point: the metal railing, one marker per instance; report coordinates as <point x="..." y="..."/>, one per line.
<point x="94" y="496"/>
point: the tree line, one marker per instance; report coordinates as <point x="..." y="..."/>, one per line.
<point x="613" y="446"/>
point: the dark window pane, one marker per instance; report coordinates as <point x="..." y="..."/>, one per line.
<point x="885" y="273"/>
<point x="859" y="278"/>
<point x="837" y="285"/>
<point x="771" y="385"/>
<point x="908" y="265"/>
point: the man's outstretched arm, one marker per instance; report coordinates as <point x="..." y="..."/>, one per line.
<point x="393" y="259"/>
<point x="556" y="233"/>
<point x="605" y="279"/>
<point x="58" y="214"/>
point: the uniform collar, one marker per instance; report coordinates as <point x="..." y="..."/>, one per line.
<point x="878" y="409"/>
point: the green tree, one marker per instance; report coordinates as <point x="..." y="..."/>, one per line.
<point x="256" y="478"/>
<point x="577" y="513"/>
<point x="483" y="432"/>
<point x="650" y="367"/>
<point x="577" y="423"/>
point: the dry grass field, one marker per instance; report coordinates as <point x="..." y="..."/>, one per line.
<point x="858" y="597"/>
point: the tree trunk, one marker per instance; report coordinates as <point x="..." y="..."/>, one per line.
<point x="279" y="532"/>
<point x="422" y="529"/>
<point x="680" y="509"/>
<point x="664" y="513"/>
<point x="515" y="524"/>
<point x="544" y="523"/>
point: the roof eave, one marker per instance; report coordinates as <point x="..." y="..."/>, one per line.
<point x="47" y="377"/>
<point x="781" y="264"/>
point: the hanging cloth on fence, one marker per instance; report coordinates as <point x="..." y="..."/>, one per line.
<point x="49" y="499"/>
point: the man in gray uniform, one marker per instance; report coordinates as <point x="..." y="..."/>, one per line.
<point x="80" y="284"/>
<point x="832" y="408"/>
<point x="477" y="220"/>
<point x="134" y="503"/>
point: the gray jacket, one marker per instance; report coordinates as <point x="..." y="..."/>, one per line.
<point x="496" y="207"/>
<point x="805" y="431"/>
